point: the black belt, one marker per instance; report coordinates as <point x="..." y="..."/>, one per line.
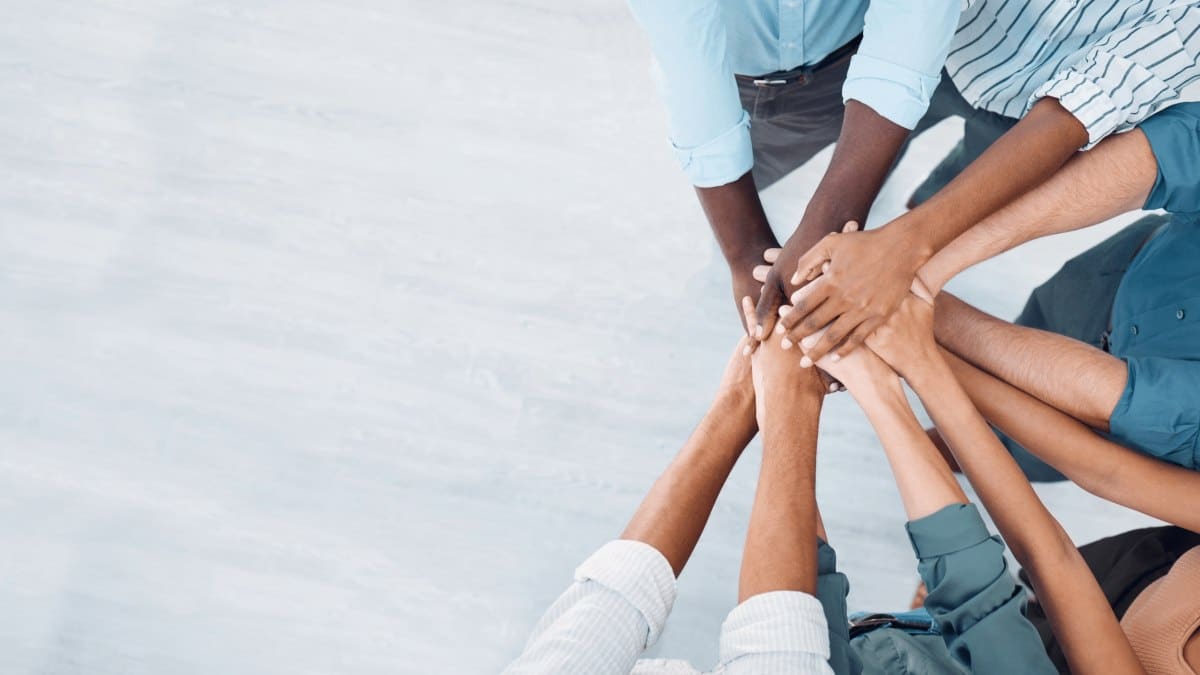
<point x="803" y="72"/>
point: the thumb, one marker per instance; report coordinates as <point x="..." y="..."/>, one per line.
<point x="769" y="301"/>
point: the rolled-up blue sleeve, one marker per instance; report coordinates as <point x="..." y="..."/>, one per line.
<point x="972" y="597"/>
<point x="710" y="132"/>
<point x="1174" y="136"/>
<point x="1157" y="412"/>
<point x="899" y="63"/>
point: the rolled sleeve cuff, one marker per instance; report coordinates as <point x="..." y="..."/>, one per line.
<point x="1174" y="137"/>
<point x="637" y="572"/>
<point x="720" y="161"/>
<point x="1086" y="100"/>
<point x="951" y="529"/>
<point x="899" y="94"/>
<point x="1156" y="412"/>
<point x="777" y="622"/>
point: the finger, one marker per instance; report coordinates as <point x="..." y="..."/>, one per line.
<point x="760" y="272"/>
<point x="812" y="259"/>
<point x="806" y="299"/>
<point x="768" y="302"/>
<point x="832" y="338"/>
<point x="920" y="290"/>
<point x="820" y="317"/>
<point x="850" y="226"/>
<point x="771" y="255"/>
<point x="858" y="337"/>
<point x="748" y="319"/>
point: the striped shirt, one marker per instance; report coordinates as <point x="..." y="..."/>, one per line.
<point x="617" y="607"/>
<point x="1111" y="63"/>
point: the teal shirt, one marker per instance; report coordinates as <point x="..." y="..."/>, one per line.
<point x="975" y="604"/>
<point x="1155" y="326"/>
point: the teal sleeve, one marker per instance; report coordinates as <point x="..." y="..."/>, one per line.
<point x="832" y="588"/>
<point x="1157" y="412"/>
<point x="973" y="599"/>
<point x="1174" y="136"/>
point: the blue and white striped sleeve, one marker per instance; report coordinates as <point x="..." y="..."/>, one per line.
<point x="613" y="611"/>
<point x="1132" y="73"/>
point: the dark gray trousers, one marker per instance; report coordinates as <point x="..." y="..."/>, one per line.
<point x="792" y="122"/>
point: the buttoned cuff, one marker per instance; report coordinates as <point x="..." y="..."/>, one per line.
<point x="776" y="622"/>
<point x="1086" y="100"/>
<point x="637" y="572"/>
<point x="720" y="161"/>
<point x="948" y="530"/>
<point x="897" y="93"/>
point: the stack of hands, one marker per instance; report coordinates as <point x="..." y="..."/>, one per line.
<point x="899" y="339"/>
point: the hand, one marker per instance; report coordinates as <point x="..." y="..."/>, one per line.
<point x="780" y="384"/>
<point x="868" y="275"/>
<point x="861" y="371"/>
<point x="906" y="341"/>
<point x="773" y="293"/>
<point x="737" y="383"/>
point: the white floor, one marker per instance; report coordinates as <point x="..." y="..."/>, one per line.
<point x="337" y="333"/>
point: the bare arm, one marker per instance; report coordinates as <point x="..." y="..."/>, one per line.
<point x="1101" y="467"/>
<point x="925" y="482"/>
<point x="781" y="541"/>
<point x="1113" y="178"/>
<point x="673" y="514"/>
<point x="1078" y="610"/>
<point x="1074" y="377"/>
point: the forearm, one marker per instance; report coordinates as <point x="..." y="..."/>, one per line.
<point x="1021" y="159"/>
<point x="1077" y="608"/>
<point x="1113" y="178"/>
<point x="780" y="552"/>
<point x="1103" y="468"/>
<point x="673" y="514"/>
<point x="1074" y="377"/>
<point x="865" y="152"/>
<point x="738" y="222"/>
<point x="925" y="482"/>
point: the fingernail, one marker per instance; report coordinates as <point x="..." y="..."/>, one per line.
<point x="833" y="387"/>
<point x="805" y="362"/>
<point x="778" y="329"/>
<point x="835" y="358"/>
<point x="795" y="278"/>
<point x="758" y="331"/>
<point x="785" y="343"/>
<point x="746" y="350"/>
<point x="808" y="342"/>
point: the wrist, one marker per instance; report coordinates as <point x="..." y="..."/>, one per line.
<point x="907" y="234"/>
<point x="924" y="374"/>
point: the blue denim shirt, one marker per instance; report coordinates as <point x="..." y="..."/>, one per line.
<point x="700" y="44"/>
<point x="1155" y="324"/>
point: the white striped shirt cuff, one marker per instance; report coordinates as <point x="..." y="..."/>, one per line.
<point x="637" y="572"/>
<point x="786" y="622"/>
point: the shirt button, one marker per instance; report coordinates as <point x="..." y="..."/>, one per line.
<point x="1133" y="330"/>
<point x="1179" y="314"/>
<point x="789" y="45"/>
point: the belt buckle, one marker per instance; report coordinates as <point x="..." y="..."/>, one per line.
<point x="801" y="78"/>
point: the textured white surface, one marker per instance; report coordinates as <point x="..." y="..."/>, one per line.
<point x="337" y="333"/>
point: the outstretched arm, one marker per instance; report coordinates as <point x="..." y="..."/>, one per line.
<point x="1103" y="468"/>
<point x="1074" y="377"/>
<point x="622" y="594"/>
<point x="1079" y="613"/>
<point x="1113" y="178"/>
<point x="973" y="598"/>
<point x="870" y="272"/>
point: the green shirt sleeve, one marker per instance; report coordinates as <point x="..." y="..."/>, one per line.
<point x="973" y="599"/>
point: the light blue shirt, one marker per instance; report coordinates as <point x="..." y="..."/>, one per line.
<point x="700" y="44"/>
